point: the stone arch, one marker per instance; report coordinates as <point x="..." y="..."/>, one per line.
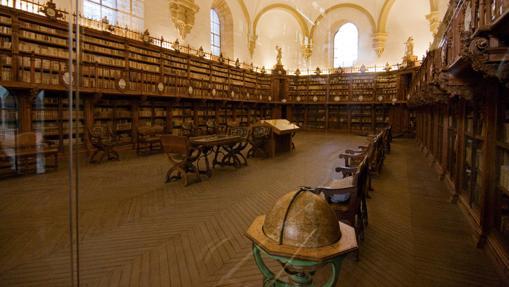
<point x="226" y="18"/>
<point x="245" y="12"/>
<point x="300" y="19"/>
<point x="384" y="15"/>
<point x="343" y="6"/>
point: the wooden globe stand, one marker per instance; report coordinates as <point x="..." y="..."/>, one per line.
<point x="302" y="215"/>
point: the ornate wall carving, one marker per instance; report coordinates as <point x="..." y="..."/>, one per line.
<point x="182" y="15"/>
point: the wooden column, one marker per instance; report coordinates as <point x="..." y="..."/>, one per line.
<point x="445" y="142"/>
<point x="460" y="147"/>
<point x="489" y="161"/>
<point x="25" y="99"/>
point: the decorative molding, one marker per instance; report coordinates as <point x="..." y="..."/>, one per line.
<point x="434" y="21"/>
<point x="384" y="16"/>
<point x="306" y="50"/>
<point x="379" y="40"/>
<point x="477" y="53"/>
<point x="455" y="87"/>
<point x="182" y="15"/>
<point x="252" y="44"/>
<point x="50" y="10"/>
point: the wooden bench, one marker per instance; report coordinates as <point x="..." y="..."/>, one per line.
<point x="148" y="138"/>
<point x="22" y="152"/>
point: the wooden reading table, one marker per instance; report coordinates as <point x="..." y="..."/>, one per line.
<point x="282" y="134"/>
<point x="219" y="144"/>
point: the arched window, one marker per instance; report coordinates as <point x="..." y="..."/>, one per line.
<point x="346" y="46"/>
<point x="215" y="33"/>
<point x="119" y="12"/>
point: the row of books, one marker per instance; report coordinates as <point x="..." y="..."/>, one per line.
<point x="6" y="30"/>
<point x="39" y="78"/>
<point x="53" y="115"/>
<point x="93" y="58"/>
<point x="107" y="43"/>
<point x="88" y="47"/>
<point x="145" y="52"/>
<point x="43" y="37"/>
<point x="144" y="58"/>
<point x="43" y="50"/>
<point x="504" y="177"/>
<point x="5" y="20"/>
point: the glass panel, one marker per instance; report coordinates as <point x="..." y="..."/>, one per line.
<point x="215" y="33"/>
<point x="36" y="199"/>
<point x="123" y="13"/>
<point x="92" y="10"/>
<point x="346" y="46"/>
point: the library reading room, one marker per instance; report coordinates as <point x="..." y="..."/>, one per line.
<point x="271" y="143"/>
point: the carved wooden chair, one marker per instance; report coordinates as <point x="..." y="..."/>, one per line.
<point x="211" y="127"/>
<point x="347" y="197"/>
<point x="183" y="156"/>
<point x="104" y="141"/>
<point x="188" y="129"/>
<point x="374" y="152"/>
<point x="147" y="138"/>
<point x="258" y="138"/>
<point x="387" y="139"/>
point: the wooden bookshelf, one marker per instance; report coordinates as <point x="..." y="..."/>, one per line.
<point x="127" y="83"/>
<point x="469" y="142"/>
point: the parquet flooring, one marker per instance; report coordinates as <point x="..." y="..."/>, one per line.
<point x="135" y="230"/>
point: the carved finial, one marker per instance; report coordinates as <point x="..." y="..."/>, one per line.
<point x="146" y="37"/>
<point x="201" y="52"/>
<point x="176" y="45"/>
<point x="387" y="67"/>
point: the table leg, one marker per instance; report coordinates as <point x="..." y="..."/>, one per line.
<point x="208" y="170"/>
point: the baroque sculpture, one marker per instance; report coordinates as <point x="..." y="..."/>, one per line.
<point x="279" y="56"/>
<point x="409" y="59"/>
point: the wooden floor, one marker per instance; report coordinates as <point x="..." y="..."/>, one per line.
<point x="138" y="231"/>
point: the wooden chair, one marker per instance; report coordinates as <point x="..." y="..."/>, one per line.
<point x="211" y="127"/>
<point x="182" y="155"/>
<point x="258" y="138"/>
<point x="188" y="129"/>
<point x="353" y="210"/>
<point x="375" y="153"/>
<point x="104" y="141"/>
<point x="147" y="138"/>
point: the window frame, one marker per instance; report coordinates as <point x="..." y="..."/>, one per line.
<point x="213" y="44"/>
<point x="354" y="61"/>
<point x="134" y="20"/>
